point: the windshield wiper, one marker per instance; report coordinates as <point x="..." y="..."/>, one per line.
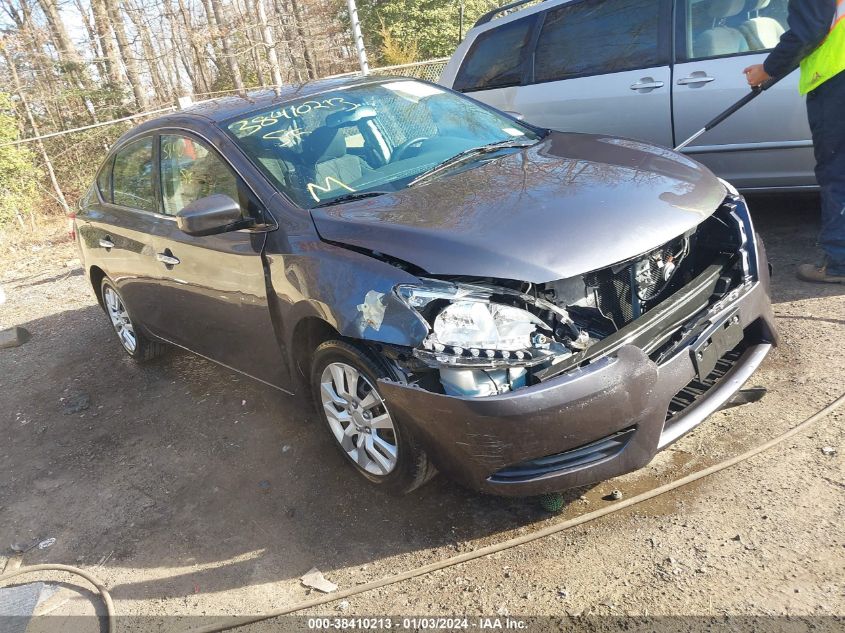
<point x="468" y="153"/>
<point x="348" y="197"/>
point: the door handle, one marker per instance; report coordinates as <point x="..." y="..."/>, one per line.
<point x="106" y="243"/>
<point x="692" y="80"/>
<point x="167" y="258"/>
<point x="647" y="83"/>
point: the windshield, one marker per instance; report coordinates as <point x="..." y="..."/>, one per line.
<point x="375" y="138"/>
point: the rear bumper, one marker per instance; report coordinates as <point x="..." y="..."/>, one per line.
<point x="608" y="418"/>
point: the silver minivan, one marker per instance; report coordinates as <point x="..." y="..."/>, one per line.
<point x="655" y="70"/>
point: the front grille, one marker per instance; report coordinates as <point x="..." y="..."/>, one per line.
<point x="696" y="388"/>
<point x="567" y="461"/>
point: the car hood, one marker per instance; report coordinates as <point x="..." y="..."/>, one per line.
<point x="570" y="204"/>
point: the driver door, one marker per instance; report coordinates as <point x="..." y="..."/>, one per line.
<point x="212" y="296"/>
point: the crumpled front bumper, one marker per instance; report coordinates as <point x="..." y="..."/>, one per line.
<point x="587" y="425"/>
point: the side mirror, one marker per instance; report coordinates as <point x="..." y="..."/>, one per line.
<point x="213" y="214"/>
<point x="516" y="115"/>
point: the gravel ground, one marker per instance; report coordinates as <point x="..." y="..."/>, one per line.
<point x="193" y="491"/>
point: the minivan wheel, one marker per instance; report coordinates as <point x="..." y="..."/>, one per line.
<point x="131" y="339"/>
<point x="344" y="383"/>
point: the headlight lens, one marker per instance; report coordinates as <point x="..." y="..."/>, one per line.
<point x="470" y="328"/>
<point x="476" y="324"/>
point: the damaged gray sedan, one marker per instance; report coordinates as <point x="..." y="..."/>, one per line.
<point x="520" y="309"/>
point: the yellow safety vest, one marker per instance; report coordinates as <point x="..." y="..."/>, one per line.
<point x="828" y="60"/>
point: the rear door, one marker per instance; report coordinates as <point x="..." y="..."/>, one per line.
<point x="767" y="144"/>
<point x="212" y="295"/>
<point x="602" y="66"/>
<point x="116" y="226"/>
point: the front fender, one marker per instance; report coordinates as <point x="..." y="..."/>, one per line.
<point x="350" y="291"/>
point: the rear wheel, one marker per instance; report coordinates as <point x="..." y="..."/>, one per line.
<point x="131" y="339"/>
<point x="344" y="381"/>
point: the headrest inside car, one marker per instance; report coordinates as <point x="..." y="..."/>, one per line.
<point x="725" y="8"/>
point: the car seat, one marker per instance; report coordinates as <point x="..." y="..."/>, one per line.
<point x="762" y="33"/>
<point x="327" y="150"/>
<point x="721" y="39"/>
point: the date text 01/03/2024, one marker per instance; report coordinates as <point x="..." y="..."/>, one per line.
<point x="417" y="623"/>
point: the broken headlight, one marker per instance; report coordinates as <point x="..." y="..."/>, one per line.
<point x="488" y="326"/>
<point x="474" y="326"/>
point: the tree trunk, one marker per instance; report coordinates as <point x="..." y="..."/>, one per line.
<point x="68" y="55"/>
<point x="195" y="47"/>
<point x="104" y="33"/>
<point x="299" y="19"/>
<point x="128" y="55"/>
<point x="136" y="14"/>
<point x="212" y="30"/>
<point x="269" y="44"/>
<point x="252" y="29"/>
<point x="47" y="163"/>
<point x="287" y="37"/>
<point x="92" y="37"/>
<point x="177" y="51"/>
<point x="231" y="59"/>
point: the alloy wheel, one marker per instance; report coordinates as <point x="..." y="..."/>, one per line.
<point x="359" y="419"/>
<point x="120" y="320"/>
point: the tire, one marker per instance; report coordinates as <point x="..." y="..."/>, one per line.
<point x="367" y="448"/>
<point x="131" y="339"/>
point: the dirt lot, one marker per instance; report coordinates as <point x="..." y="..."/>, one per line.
<point x="194" y="491"/>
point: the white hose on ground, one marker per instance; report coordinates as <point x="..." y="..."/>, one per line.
<point x="98" y="584"/>
<point x="460" y="558"/>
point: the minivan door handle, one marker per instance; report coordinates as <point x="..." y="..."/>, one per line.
<point x="106" y="243"/>
<point x="167" y="258"/>
<point x="647" y="84"/>
<point x="695" y="79"/>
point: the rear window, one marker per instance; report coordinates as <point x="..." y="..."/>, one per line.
<point x="495" y="59"/>
<point x="598" y="37"/>
<point x="132" y="176"/>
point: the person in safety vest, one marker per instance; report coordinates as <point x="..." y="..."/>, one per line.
<point x="816" y="39"/>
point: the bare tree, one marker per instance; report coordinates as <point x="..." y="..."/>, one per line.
<point x="151" y="56"/>
<point x="231" y="58"/>
<point x="126" y="53"/>
<point x="269" y="44"/>
<point x="111" y="58"/>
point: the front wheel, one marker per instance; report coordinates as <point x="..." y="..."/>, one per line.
<point x="133" y="341"/>
<point x="344" y="381"/>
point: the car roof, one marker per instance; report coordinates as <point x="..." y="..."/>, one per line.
<point x="225" y="108"/>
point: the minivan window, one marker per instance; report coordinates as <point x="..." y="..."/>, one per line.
<point x="495" y="59"/>
<point x="376" y="137"/>
<point x="190" y="171"/>
<point x="598" y="37"/>
<point x="716" y="28"/>
<point x="132" y="176"/>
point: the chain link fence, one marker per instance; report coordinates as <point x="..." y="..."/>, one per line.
<point x="429" y="70"/>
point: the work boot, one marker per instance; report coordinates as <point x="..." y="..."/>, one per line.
<point x="817" y="273"/>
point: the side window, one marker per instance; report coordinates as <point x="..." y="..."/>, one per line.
<point x="190" y="171"/>
<point x="495" y="59"/>
<point x="715" y="28"/>
<point x="104" y="179"/>
<point x="132" y="176"/>
<point x="598" y="37"/>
